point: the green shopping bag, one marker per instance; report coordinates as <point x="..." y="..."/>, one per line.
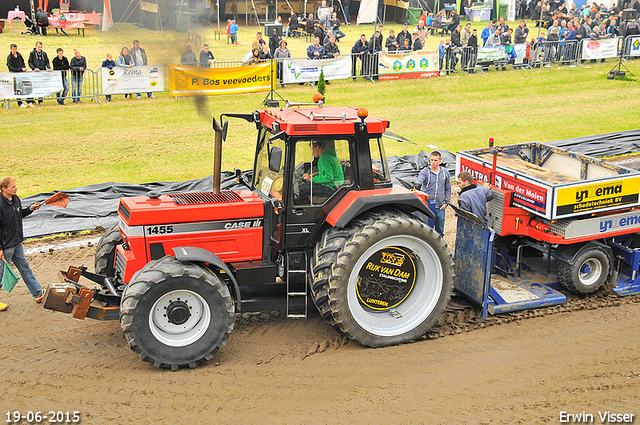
<point x="9" y="277"/>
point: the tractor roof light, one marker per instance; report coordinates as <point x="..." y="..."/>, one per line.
<point x="363" y="113"/>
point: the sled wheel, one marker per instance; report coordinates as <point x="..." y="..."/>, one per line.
<point x="104" y="260"/>
<point x="176" y="314"/>
<point x="384" y="279"/>
<point x="588" y="272"/>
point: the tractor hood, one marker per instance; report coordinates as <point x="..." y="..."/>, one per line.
<point x="190" y="207"/>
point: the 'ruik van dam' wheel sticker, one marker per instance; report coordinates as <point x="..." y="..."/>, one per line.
<point x="386" y="278"/>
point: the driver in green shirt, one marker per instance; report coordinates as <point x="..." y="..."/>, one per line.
<point x="329" y="172"/>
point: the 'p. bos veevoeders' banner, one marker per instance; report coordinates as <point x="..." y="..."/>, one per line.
<point x="191" y="80"/>
<point x="31" y="84"/>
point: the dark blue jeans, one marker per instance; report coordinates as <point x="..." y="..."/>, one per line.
<point x="16" y="254"/>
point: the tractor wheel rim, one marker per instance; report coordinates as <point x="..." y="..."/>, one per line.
<point x="179" y="318"/>
<point x="590" y="271"/>
<point x="419" y="302"/>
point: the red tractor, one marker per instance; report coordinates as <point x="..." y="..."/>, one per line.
<point x="319" y="217"/>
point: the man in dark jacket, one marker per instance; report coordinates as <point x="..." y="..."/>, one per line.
<point x="39" y="61"/>
<point x="376" y="42"/>
<point x="310" y="26"/>
<point x="293" y="22"/>
<point x="404" y="35"/>
<point x="359" y="50"/>
<point x="15" y="63"/>
<point x="78" y="65"/>
<point x="42" y="21"/>
<point x="320" y="32"/>
<point x="11" y="235"/>
<point x="331" y="49"/>
<point x="472" y="51"/>
<point x="60" y="63"/>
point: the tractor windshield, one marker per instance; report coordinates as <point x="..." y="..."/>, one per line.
<point x="265" y="179"/>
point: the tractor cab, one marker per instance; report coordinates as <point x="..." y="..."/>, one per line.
<point x="308" y="160"/>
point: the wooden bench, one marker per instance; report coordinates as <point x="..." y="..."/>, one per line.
<point x="299" y="33"/>
<point x="197" y="38"/>
<point x="217" y="34"/>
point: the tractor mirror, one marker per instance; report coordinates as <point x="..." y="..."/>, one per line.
<point x="275" y="159"/>
<point x="225" y="127"/>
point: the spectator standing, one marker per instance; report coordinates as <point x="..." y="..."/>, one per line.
<point x="11" y="235"/>
<point x="39" y="61"/>
<point x="125" y="60"/>
<point x="456" y="46"/>
<point x="391" y="43"/>
<point x="60" y="63"/>
<point x="522" y="32"/>
<point x="404" y="35"/>
<point x="422" y="31"/>
<point x="233" y="32"/>
<point x="486" y="32"/>
<point x="15" y="63"/>
<point x="234" y="10"/>
<point x="42" y="21"/>
<point x="315" y="51"/>
<point x="140" y="58"/>
<point x="376" y="42"/>
<point x="188" y="57"/>
<point x="359" y="49"/>
<point x="293" y="22"/>
<point x="345" y="9"/>
<point x="472" y="51"/>
<point x="206" y="57"/>
<point x="436" y="182"/>
<point x="280" y="54"/>
<point x="455" y="21"/>
<point x="310" y="25"/>
<point x="320" y="32"/>
<point x="416" y="43"/>
<point x="474" y="198"/>
<point x="78" y="65"/>
<point x="336" y="28"/>
<point x="331" y="49"/>
<point x="464" y="40"/>
<point x="323" y="11"/>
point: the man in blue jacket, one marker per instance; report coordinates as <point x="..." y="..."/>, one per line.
<point x="474" y="198"/>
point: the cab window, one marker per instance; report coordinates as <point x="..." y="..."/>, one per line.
<point x="379" y="161"/>
<point x="322" y="166"/>
<point x="265" y="180"/>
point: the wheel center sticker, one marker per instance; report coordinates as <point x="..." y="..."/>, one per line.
<point x="386" y="278"/>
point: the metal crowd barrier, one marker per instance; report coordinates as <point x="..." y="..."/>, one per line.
<point x="89" y="90"/>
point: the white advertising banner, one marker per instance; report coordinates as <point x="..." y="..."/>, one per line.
<point x="600" y="49"/>
<point x="368" y="12"/>
<point x="304" y="70"/>
<point x="416" y="64"/>
<point x="136" y="79"/>
<point x="28" y="85"/>
<point x="633" y="46"/>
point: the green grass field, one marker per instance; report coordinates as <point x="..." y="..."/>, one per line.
<point x="56" y="147"/>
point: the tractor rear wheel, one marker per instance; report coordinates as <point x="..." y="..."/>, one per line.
<point x="104" y="260"/>
<point x="588" y="272"/>
<point x="176" y="314"/>
<point x="384" y="279"/>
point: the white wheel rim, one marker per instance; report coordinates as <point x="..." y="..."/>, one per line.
<point x="185" y="333"/>
<point x="590" y="271"/>
<point x="417" y="306"/>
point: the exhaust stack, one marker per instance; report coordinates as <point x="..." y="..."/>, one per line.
<point x="217" y="156"/>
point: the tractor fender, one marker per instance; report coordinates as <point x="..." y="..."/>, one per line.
<point x="199" y="255"/>
<point x="569" y="253"/>
<point x="406" y="202"/>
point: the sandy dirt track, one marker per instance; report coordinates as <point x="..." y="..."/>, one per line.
<point x="275" y="370"/>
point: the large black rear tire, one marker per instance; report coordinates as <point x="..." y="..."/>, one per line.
<point x="104" y="260"/>
<point x="176" y="314"/>
<point x="588" y="272"/>
<point x="348" y="294"/>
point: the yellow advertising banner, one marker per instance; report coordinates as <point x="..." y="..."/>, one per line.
<point x="194" y="81"/>
<point x="598" y="195"/>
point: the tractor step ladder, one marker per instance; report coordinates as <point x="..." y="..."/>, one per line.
<point x="297" y="275"/>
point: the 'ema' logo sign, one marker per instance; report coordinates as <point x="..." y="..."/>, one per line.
<point x="619" y="222"/>
<point x="594" y="192"/>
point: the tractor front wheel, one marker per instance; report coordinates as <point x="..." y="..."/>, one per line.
<point x="176" y="314"/>
<point x="104" y="260"/>
<point x="383" y="280"/>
